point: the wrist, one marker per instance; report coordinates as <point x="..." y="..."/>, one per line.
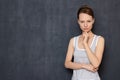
<point x="82" y="65"/>
<point x="85" y="44"/>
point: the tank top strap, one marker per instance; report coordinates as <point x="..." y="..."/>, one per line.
<point x="95" y="42"/>
<point x="75" y="41"/>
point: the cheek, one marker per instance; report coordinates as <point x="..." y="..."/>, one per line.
<point x="81" y="24"/>
<point x="91" y="24"/>
<point x="81" y="27"/>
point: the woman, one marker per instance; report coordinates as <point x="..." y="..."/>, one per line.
<point x="87" y="48"/>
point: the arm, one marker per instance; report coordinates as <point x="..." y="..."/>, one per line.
<point x="95" y="58"/>
<point x="68" y="60"/>
<point x="72" y="65"/>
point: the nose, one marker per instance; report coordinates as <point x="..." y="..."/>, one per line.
<point x="85" y="25"/>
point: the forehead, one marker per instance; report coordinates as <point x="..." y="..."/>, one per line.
<point x="84" y="16"/>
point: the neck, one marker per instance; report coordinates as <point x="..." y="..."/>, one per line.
<point x="90" y="33"/>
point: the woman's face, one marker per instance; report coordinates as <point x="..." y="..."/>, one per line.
<point x="86" y="22"/>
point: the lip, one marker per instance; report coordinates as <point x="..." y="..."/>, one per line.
<point x="86" y="28"/>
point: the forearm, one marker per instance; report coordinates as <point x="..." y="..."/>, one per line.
<point x="89" y="67"/>
<point x="93" y="59"/>
<point x="73" y="65"/>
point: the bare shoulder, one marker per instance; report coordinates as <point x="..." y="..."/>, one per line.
<point x="71" y="39"/>
<point x="71" y="42"/>
<point x="101" y="39"/>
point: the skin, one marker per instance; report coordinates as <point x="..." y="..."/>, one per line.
<point x="85" y="22"/>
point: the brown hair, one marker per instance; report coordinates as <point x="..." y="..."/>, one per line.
<point x="85" y="9"/>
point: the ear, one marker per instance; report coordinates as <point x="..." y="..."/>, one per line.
<point x="93" y="20"/>
<point x="78" y="21"/>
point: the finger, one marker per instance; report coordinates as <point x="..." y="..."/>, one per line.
<point x="95" y="69"/>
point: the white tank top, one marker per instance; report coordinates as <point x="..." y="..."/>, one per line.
<point x="80" y="56"/>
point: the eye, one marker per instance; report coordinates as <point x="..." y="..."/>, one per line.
<point x="88" y="21"/>
<point x="81" y="21"/>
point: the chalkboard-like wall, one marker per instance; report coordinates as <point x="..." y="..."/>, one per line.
<point x="34" y="35"/>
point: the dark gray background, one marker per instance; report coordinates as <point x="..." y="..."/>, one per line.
<point x="34" y="35"/>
